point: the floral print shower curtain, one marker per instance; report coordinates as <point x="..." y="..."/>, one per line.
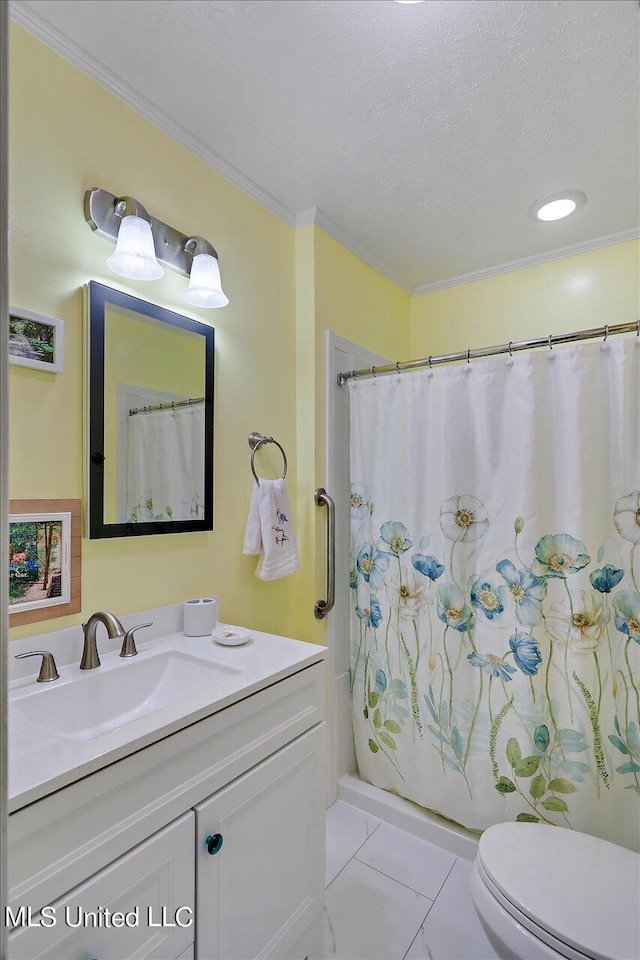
<point x="495" y="584"/>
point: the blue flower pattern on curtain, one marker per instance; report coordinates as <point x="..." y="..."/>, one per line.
<point x="585" y="623"/>
<point x="495" y="664"/>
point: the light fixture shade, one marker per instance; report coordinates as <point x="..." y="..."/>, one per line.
<point x="557" y="206"/>
<point x="557" y="209"/>
<point x="205" y="287"/>
<point x="135" y="255"/>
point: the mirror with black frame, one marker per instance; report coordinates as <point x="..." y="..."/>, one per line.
<point x="149" y="419"/>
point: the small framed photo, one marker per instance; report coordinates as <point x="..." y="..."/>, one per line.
<point x="44" y="560"/>
<point x="35" y="341"/>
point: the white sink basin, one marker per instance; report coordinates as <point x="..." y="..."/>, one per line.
<point x="97" y="701"/>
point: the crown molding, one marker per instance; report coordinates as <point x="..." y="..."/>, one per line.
<point x="305" y="217"/>
<point x="74" y="54"/>
<point x="315" y="215"/>
<point x="323" y="221"/>
<point x="511" y="266"/>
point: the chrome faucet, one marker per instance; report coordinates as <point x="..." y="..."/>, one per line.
<point x="90" y="659"/>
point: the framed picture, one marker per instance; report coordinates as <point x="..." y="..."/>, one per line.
<point x="44" y="559"/>
<point x="35" y="341"/>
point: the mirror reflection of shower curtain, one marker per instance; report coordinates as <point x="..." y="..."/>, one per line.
<point x="495" y="584"/>
<point x="165" y="468"/>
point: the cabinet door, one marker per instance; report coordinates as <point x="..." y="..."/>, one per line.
<point x="257" y="895"/>
<point x="153" y="885"/>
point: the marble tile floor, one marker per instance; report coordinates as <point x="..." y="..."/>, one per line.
<point x="391" y="896"/>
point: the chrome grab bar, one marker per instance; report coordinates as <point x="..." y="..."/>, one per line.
<point x="323" y="607"/>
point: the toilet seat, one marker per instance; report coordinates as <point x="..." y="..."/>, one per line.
<point x="572" y="891"/>
<point x="519" y="935"/>
<point x="506" y="928"/>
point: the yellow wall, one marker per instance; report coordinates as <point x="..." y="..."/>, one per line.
<point x="306" y="400"/>
<point x="68" y="134"/>
<point x="574" y="293"/>
<point x="356" y="302"/>
<point x="286" y="289"/>
<point x="350" y="299"/>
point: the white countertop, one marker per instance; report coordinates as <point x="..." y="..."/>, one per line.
<point x="41" y="761"/>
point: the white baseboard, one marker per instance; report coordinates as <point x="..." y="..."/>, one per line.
<point x="408" y="816"/>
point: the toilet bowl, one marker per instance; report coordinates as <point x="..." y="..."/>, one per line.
<point x="547" y="893"/>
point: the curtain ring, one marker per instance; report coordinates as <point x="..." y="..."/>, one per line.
<point x="173" y="406"/>
<point x="637" y="328"/>
<point x="606" y="332"/>
<point x="354" y="374"/>
<point x="373" y="372"/>
<point x="469" y="355"/>
<point x="510" y="350"/>
<point x="398" y="367"/>
<point x="550" y="344"/>
<point x="430" y="367"/>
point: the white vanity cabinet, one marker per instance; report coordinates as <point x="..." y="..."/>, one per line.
<point x="134" y="834"/>
<point x="260" y="889"/>
<point x="150" y="885"/>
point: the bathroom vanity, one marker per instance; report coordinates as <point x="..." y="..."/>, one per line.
<point x="194" y="827"/>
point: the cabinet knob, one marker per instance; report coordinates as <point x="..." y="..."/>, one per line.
<point x="214" y="843"/>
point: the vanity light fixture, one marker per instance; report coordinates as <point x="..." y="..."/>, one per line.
<point x="143" y="243"/>
<point x="135" y="255"/>
<point x="557" y="205"/>
<point x="205" y="287"/>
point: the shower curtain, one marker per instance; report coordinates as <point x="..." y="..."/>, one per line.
<point x="165" y="466"/>
<point x="495" y="574"/>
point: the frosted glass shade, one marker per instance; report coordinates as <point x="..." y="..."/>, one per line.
<point x="205" y="287"/>
<point x="556" y="209"/>
<point x="135" y="255"/>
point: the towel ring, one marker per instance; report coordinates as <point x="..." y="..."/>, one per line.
<point x="255" y="441"/>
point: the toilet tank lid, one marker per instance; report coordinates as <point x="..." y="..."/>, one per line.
<point x="583" y="890"/>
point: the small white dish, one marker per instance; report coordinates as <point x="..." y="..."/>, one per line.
<point x="231" y="636"/>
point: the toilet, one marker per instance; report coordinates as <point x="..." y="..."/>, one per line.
<point x="547" y="893"/>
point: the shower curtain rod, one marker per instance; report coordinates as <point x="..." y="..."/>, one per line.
<point x="512" y="347"/>
<point x="166" y="406"/>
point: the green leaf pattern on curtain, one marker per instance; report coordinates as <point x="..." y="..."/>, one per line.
<point x="564" y="626"/>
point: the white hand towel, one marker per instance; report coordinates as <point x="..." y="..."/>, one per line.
<point x="278" y="547"/>
<point x="252" y="535"/>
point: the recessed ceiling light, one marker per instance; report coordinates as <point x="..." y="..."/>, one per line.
<point x="557" y="206"/>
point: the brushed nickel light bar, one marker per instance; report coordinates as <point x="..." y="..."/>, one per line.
<point x="141" y="255"/>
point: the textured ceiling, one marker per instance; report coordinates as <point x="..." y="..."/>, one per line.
<point x="422" y="131"/>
